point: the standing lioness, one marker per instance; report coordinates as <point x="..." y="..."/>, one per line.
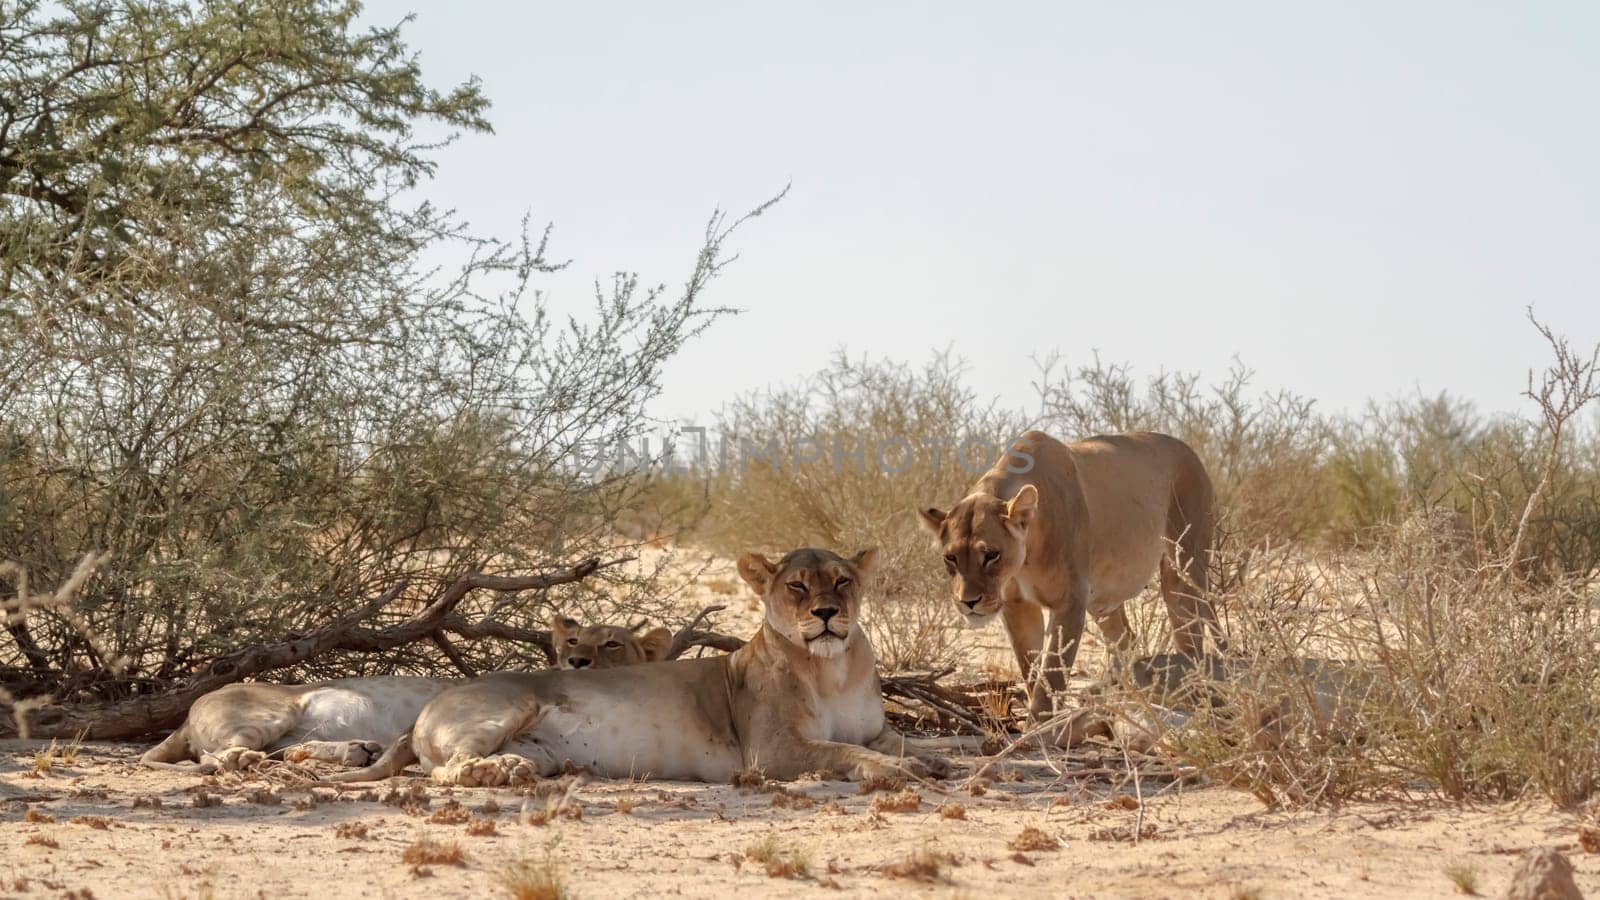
<point x="1080" y="528"/>
<point x="801" y="696"/>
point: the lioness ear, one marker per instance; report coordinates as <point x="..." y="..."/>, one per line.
<point x="655" y="643"/>
<point x="560" y="627"/>
<point x="865" y="561"/>
<point x="757" y="571"/>
<point x="1021" y="508"/>
<point x="932" y="518"/>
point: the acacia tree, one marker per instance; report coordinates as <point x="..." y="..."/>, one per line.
<point x="222" y="364"/>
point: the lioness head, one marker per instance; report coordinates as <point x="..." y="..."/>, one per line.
<point x="604" y="646"/>
<point x="812" y="597"/>
<point x="984" y="541"/>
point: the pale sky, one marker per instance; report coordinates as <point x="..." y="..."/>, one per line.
<point x="1356" y="199"/>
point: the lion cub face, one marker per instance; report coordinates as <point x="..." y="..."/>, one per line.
<point x="812" y="597"/>
<point x="984" y="542"/>
<point x="604" y="646"/>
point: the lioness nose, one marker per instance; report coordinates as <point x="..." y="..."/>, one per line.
<point x="825" y="613"/>
<point x="577" y="662"/>
<point x="972" y="603"/>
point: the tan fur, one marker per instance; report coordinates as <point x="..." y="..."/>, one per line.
<point x="801" y="696"/>
<point x="1080" y="532"/>
<point x="349" y="721"/>
<point x="604" y="646"/>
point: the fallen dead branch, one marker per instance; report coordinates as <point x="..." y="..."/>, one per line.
<point x="143" y="715"/>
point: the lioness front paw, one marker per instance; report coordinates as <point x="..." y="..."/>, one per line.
<point x="239" y="759"/>
<point x="936" y="767"/>
<point x="873" y="770"/>
<point x="360" y="753"/>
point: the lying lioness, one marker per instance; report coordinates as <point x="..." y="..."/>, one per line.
<point x="801" y="696"/>
<point x="348" y="721"/>
<point x="604" y="646"/>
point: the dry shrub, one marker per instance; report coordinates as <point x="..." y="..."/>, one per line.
<point x="481" y="828"/>
<point x="1032" y="840"/>
<point x="43" y="840"/>
<point x="429" y="852"/>
<point x="38" y="816"/>
<point x="952" y="811"/>
<point x="99" y="823"/>
<point x="350" y="831"/>
<point x="1589" y="838"/>
<point x="1401" y="666"/>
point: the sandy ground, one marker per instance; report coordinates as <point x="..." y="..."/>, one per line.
<point x="268" y="836"/>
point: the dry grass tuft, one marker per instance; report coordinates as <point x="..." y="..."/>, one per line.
<point x="452" y="813"/>
<point x="925" y="865"/>
<point x="953" y="811"/>
<point x="1589" y="838"/>
<point x="43" y="840"/>
<point x="350" y="831"/>
<point x="204" y="799"/>
<point x="778" y="861"/>
<point x="751" y="779"/>
<point x="429" y="852"/>
<point x="1464" y="877"/>
<point x="38" y="816"/>
<point x="44" y="759"/>
<point x="100" y="823"/>
<point x="907" y="801"/>
<point x="1033" y="840"/>
<point x="482" y="828"/>
<point x="530" y="880"/>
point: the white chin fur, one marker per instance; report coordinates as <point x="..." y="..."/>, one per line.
<point x="826" y="647"/>
<point x="978" y="620"/>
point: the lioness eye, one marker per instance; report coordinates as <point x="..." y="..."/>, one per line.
<point x="799" y="587"/>
<point x="990" y="556"/>
<point x="572" y="642"/>
<point x="950" y="558"/>
<point x="612" y="645"/>
<point x="841" y="584"/>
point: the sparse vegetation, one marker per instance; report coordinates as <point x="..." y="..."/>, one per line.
<point x="924" y="864"/>
<point x="429" y="852"/>
<point x="534" y="879"/>
<point x="1032" y="840"/>
<point x="1463" y="877"/>
<point x="906" y="801"/>
<point x="779" y="861"/>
